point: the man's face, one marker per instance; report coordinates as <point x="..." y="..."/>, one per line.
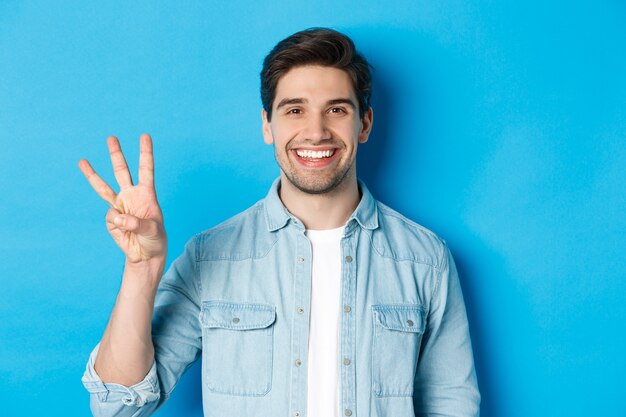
<point x="316" y="127"/>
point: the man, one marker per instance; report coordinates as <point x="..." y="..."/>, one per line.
<point x="317" y="301"/>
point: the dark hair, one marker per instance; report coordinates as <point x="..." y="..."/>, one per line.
<point x="316" y="46"/>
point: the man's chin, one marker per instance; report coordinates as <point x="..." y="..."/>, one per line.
<point x="316" y="187"/>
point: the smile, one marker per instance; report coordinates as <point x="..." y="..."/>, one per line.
<point x="312" y="155"/>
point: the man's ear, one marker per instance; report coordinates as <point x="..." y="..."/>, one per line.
<point x="366" y="125"/>
<point x="267" y="131"/>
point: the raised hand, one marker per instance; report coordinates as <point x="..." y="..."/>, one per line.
<point x="135" y="220"/>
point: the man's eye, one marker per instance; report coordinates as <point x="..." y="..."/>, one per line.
<point x="294" y="111"/>
<point x="337" y="110"/>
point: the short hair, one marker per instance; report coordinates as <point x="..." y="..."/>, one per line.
<point x="316" y="46"/>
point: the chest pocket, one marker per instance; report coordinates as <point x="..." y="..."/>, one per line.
<point x="398" y="330"/>
<point x="237" y="347"/>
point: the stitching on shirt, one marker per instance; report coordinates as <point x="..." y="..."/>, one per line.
<point x="391" y="212"/>
<point x="195" y="263"/>
<point x="396" y="258"/>
<point x="443" y="261"/>
<point x="387" y="211"/>
<point x="241" y="257"/>
<point x="201" y="237"/>
<point x="266" y="315"/>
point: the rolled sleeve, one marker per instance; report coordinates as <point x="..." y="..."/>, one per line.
<point x="116" y="399"/>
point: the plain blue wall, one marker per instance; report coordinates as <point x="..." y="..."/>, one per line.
<point x="499" y="125"/>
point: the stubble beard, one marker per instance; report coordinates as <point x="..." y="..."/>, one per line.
<point x="310" y="184"/>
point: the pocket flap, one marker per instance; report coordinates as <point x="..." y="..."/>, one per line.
<point x="236" y="316"/>
<point x="400" y="317"/>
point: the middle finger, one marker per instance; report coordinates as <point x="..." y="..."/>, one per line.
<point x="120" y="167"/>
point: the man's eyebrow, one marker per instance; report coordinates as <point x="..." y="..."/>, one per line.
<point x="299" y="100"/>
<point x="289" y="101"/>
<point x="342" y="101"/>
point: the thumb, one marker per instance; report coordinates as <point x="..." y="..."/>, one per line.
<point x="129" y="223"/>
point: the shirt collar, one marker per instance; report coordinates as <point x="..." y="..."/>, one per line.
<point x="277" y="216"/>
<point x="366" y="213"/>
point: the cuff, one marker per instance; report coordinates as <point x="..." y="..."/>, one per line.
<point x="136" y="395"/>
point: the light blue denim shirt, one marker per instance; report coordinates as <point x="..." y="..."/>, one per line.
<point x="239" y="296"/>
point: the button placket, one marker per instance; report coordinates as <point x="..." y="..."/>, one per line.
<point x="348" y="323"/>
<point x="300" y="324"/>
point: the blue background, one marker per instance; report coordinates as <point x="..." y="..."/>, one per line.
<point x="499" y="125"/>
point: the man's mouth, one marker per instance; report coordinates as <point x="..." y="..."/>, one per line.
<point x="310" y="158"/>
<point x="314" y="155"/>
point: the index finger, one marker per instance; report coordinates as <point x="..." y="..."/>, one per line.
<point x="146" y="161"/>
<point x="97" y="183"/>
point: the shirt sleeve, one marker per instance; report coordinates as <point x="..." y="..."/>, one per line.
<point x="117" y="399"/>
<point x="445" y="381"/>
<point x="177" y="339"/>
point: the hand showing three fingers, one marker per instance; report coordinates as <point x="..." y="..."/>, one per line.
<point x="135" y="220"/>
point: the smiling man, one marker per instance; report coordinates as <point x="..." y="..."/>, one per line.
<point x="315" y="125"/>
<point x="317" y="301"/>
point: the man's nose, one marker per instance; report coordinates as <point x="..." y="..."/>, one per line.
<point x="316" y="128"/>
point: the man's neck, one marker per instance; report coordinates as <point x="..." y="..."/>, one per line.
<point x="321" y="211"/>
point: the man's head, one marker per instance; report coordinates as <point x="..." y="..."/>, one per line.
<point x="316" y="91"/>
<point x="316" y="46"/>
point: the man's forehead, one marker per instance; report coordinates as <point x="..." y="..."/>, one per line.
<point x="314" y="83"/>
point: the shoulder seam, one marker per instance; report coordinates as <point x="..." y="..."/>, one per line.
<point x="388" y="211"/>
<point x="442" y="259"/>
<point x="393" y="213"/>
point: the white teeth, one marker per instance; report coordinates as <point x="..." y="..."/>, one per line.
<point x="314" y="154"/>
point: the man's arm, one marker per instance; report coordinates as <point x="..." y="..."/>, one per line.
<point x="126" y="352"/>
<point x="176" y="337"/>
<point x="135" y="222"/>
<point x="445" y="382"/>
<point x="125" y="355"/>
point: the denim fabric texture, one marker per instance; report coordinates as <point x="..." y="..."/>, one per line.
<point x="239" y="297"/>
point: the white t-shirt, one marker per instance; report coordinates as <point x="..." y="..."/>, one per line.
<point x="323" y="362"/>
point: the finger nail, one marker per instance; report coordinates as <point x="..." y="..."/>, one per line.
<point x="118" y="220"/>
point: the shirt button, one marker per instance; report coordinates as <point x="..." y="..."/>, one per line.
<point x="410" y="323"/>
<point x="348" y="412"/>
<point x="296" y="414"/>
<point x="347" y="308"/>
<point x="236" y="320"/>
<point x="301" y="259"/>
<point x="348" y="258"/>
<point x="300" y="310"/>
<point x="346" y="361"/>
<point x="298" y="362"/>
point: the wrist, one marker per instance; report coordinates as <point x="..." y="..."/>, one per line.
<point x="143" y="275"/>
<point x="149" y="266"/>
